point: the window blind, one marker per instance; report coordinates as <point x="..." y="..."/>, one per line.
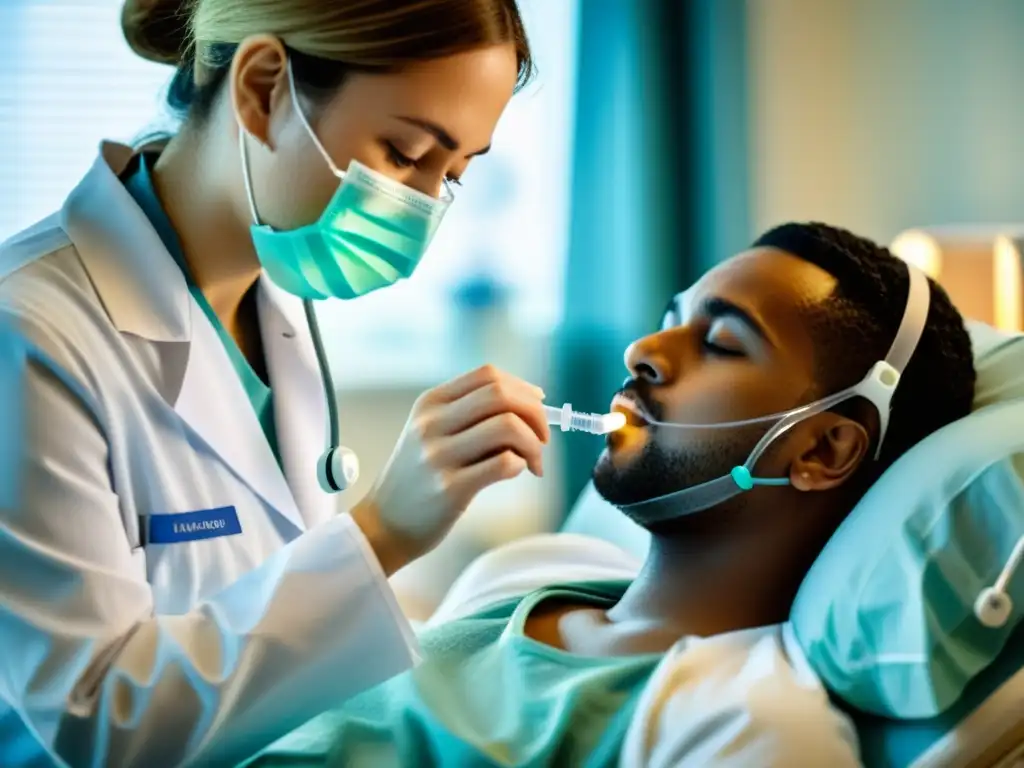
<point x="67" y="79"/>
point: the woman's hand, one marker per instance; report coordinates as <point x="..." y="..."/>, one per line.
<point x="461" y="437"/>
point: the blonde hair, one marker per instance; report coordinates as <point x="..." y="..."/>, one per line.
<point x="199" y="36"/>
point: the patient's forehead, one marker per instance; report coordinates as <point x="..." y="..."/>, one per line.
<point x="774" y="286"/>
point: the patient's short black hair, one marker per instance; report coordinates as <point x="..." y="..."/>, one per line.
<point x="856" y="325"/>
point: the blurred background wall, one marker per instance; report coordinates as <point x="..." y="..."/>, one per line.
<point x="886" y="114"/>
<point x="659" y="137"/>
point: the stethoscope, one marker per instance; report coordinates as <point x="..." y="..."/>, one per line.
<point x="338" y="467"/>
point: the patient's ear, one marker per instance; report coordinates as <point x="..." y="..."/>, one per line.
<point x="830" y="451"/>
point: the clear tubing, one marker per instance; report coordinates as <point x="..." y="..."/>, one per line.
<point x="640" y="411"/>
<point x="592" y="423"/>
<point x="877" y="387"/>
<point x="783" y="421"/>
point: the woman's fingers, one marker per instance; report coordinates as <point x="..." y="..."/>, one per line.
<point x="461" y="437"/>
<point x="491" y="400"/>
<point x="491" y="437"/>
<point x="481" y="377"/>
<point x="469" y="481"/>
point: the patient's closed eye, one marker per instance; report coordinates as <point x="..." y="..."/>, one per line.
<point x="719" y="340"/>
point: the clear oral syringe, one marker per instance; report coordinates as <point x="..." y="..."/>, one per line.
<point x="594" y="423"/>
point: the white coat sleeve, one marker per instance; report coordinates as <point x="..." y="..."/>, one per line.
<point x="716" y="705"/>
<point x="88" y="674"/>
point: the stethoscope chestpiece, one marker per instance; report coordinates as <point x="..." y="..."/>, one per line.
<point x="337" y="470"/>
<point x="993" y="608"/>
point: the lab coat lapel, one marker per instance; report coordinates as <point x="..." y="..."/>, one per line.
<point x="300" y="411"/>
<point x="146" y="297"/>
<point x="215" y="405"/>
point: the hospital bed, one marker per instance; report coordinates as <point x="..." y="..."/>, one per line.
<point x="984" y="726"/>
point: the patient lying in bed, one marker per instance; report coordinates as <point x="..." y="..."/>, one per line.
<point x="560" y="650"/>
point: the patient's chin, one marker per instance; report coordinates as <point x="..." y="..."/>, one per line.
<point x="624" y="478"/>
<point x="628" y="477"/>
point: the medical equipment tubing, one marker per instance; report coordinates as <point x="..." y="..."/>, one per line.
<point x="878" y="387"/>
<point x="338" y="467"/>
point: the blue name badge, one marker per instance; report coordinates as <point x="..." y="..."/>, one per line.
<point x="194" y="526"/>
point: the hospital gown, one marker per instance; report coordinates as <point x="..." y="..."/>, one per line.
<point x="487" y="695"/>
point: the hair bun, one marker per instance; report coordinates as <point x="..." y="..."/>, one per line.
<point x="157" y="30"/>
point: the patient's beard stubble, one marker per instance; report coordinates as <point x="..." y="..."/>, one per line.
<point x="658" y="471"/>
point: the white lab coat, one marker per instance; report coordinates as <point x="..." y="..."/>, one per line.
<point x="118" y="401"/>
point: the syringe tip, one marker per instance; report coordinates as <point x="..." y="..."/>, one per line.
<point x="612" y="422"/>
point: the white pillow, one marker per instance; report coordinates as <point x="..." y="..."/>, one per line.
<point x="886" y="614"/>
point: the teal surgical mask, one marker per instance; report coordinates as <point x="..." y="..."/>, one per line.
<point x="372" y="234"/>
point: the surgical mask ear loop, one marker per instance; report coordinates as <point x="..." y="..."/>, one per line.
<point x="244" y="147"/>
<point x="448" y="195"/>
<point x="309" y="128"/>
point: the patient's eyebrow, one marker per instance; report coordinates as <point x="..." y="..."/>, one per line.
<point x="672" y="315"/>
<point x="716" y="307"/>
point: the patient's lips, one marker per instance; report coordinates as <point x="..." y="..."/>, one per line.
<point x="634" y="412"/>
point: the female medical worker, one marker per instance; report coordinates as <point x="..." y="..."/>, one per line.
<point x="175" y="587"/>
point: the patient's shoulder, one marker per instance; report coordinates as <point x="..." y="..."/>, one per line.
<point x="746" y="698"/>
<point x="532" y="563"/>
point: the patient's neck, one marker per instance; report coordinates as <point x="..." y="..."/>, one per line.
<point x="721" y="574"/>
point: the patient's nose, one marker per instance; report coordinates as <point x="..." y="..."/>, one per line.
<point x="646" y="360"/>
